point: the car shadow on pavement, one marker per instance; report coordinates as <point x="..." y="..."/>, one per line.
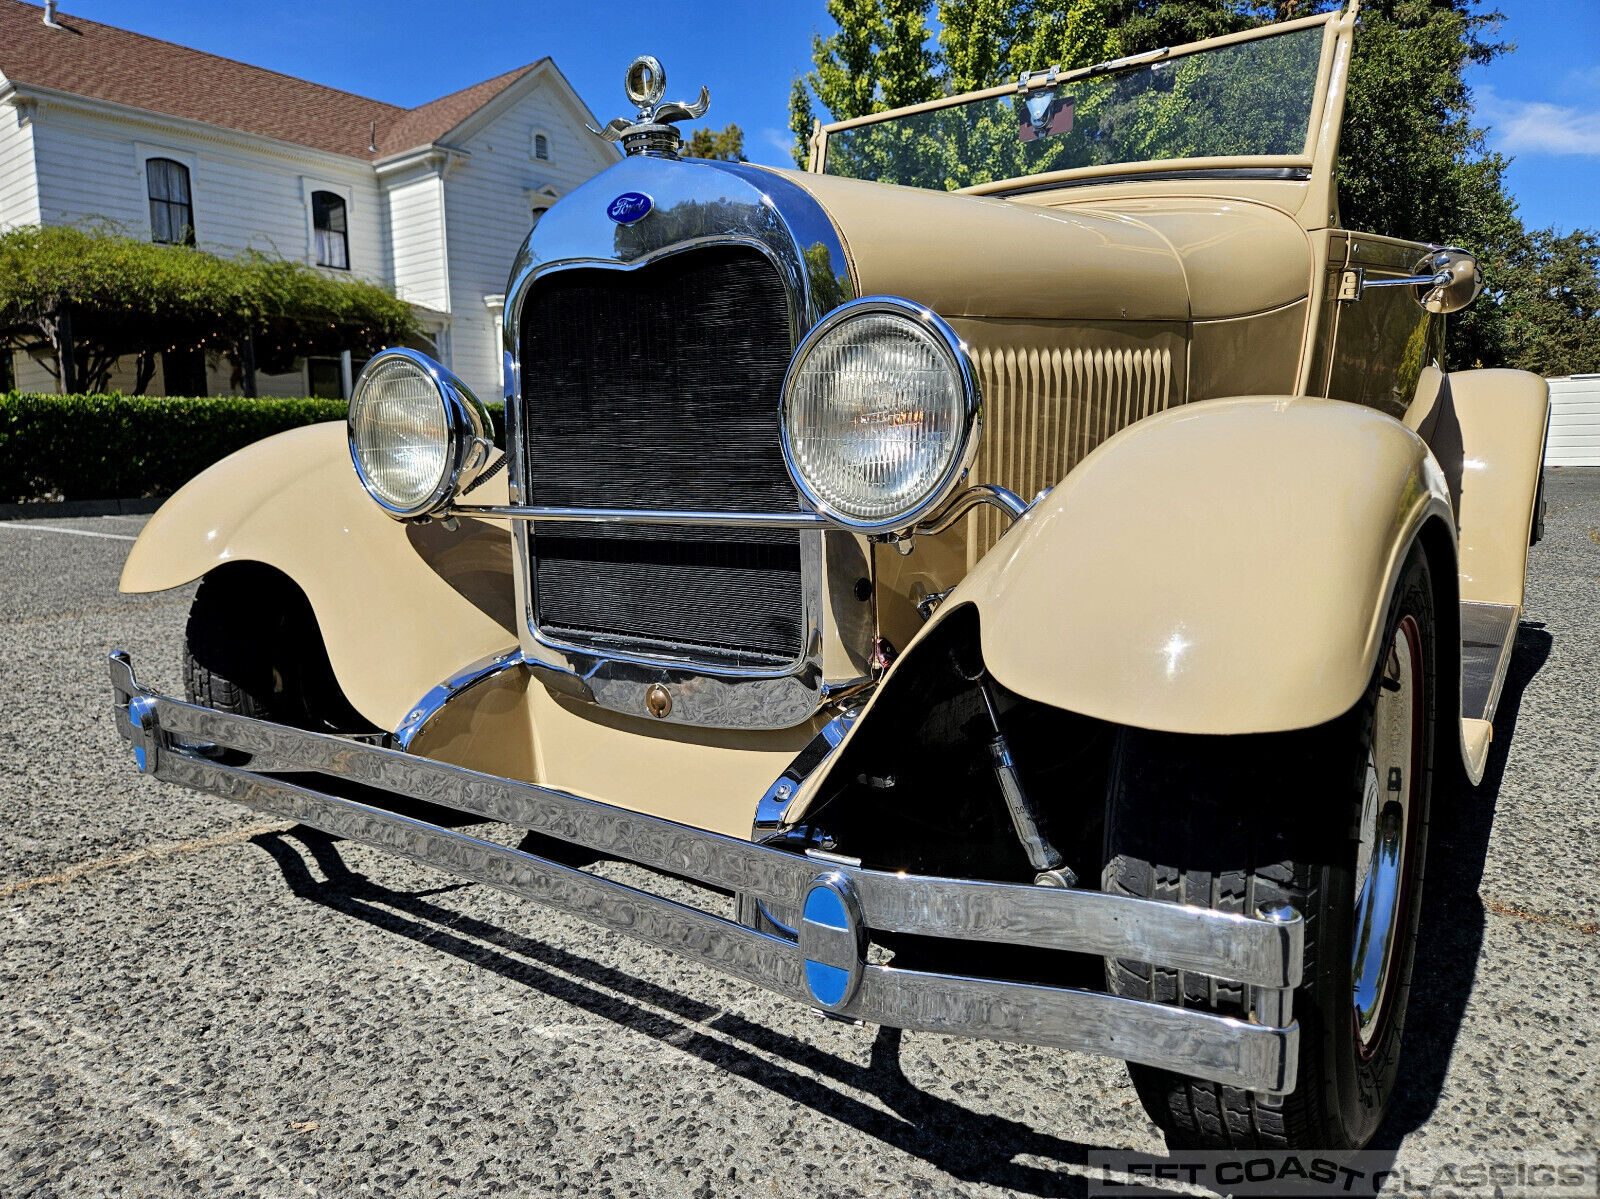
<point x="970" y="1146"/>
<point x="1452" y="923"/>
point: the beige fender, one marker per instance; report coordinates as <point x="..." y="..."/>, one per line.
<point x="1487" y="430"/>
<point x="400" y="606"/>
<point x="1224" y="567"/>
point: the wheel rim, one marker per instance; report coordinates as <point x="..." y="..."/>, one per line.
<point x="1387" y="805"/>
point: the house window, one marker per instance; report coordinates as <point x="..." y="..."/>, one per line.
<point x="333" y="241"/>
<point x="171" y="208"/>
<point x="541" y="146"/>
<point x="324" y="378"/>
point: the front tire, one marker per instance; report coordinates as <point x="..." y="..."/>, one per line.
<point x="252" y="647"/>
<point x="1332" y="821"/>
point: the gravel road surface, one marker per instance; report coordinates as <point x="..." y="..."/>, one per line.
<point x="195" y="1000"/>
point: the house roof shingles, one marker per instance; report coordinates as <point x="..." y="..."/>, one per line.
<point x="102" y="62"/>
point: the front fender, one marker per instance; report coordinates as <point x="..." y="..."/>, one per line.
<point x="400" y="606"/>
<point x="1224" y="567"/>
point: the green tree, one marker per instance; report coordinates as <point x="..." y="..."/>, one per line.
<point x="877" y="59"/>
<point x="985" y="42"/>
<point x="726" y="143"/>
<point x="1550" y="313"/>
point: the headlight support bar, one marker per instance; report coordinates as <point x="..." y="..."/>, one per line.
<point x="956" y="507"/>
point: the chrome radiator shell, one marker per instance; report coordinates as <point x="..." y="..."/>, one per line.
<point x="696" y="205"/>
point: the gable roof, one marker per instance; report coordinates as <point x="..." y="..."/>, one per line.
<point x="102" y="62"/>
<point x="426" y="125"/>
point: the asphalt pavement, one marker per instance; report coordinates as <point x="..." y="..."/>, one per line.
<point x="197" y="1000"/>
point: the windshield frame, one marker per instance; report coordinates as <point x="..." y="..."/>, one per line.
<point x="1315" y="159"/>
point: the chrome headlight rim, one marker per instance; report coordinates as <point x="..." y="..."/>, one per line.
<point x="469" y="434"/>
<point x="960" y="362"/>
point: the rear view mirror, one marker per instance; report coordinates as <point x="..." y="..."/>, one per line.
<point x="1455" y="280"/>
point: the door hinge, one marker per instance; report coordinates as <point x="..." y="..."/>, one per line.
<point x="1351" y="284"/>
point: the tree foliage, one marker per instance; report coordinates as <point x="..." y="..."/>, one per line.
<point x="1412" y="161"/>
<point x="1550" y="320"/>
<point x="726" y="144"/>
<point x="126" y="297"/>
<point x="877" y="59"/>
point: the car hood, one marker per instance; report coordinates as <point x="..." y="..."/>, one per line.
<point x="981" y="257"/>
<point x="1173" y="260"/>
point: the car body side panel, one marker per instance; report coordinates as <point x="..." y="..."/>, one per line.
<point x="1220" y="568"/>
<point x="1248" y="355"/>
<point x="1382" y="340"/>
<point x="1053" y="391"/>
<point x="400" y="606"/>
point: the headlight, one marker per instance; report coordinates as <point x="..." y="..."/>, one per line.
<point x="880" y="414"/>
<point x="417" y="435"/>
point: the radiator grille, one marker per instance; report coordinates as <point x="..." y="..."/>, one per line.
<point x="1044" y="410"/>
<point x="659" y="388"/>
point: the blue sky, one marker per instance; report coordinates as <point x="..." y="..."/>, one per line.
<point x="1542" y="102"/>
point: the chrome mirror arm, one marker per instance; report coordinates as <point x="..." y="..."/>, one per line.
<point x="1447" y="280"/>
<point x="1408" y="281"/>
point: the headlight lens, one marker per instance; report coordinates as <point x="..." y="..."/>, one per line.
<point x="416" y="433"/>
<point x="880" y="413"/>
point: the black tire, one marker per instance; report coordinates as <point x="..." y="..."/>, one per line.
<point x="252" y="647"/>
<point x="224" y="667"/>
<point x="1247" y="823"/>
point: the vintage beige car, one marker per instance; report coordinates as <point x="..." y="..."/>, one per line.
<point x="1032" y="568"/>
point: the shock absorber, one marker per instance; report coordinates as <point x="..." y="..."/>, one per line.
<point x="1050" y="869"/>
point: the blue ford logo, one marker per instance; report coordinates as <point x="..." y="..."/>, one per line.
<point x="630" y="207"/>
<point x="831" y="941"/>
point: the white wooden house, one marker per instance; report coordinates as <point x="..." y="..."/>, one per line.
<point x="98" y="124"/>
<point x="1574" y="436"/>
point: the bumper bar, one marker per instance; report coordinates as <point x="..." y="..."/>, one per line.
<point x="826" y="968"/>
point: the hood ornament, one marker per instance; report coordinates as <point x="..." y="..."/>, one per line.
<point x="652" y="131"/>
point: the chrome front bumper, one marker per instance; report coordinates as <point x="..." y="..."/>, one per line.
<point x="826" y="967"/>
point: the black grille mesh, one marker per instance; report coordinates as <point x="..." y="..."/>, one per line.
<point x="659" y="388"/>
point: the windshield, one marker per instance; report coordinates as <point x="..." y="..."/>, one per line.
<point x="1245" y="98"/>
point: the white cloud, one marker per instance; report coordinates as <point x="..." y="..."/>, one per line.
<point x="1537" y="127"/>
<point x="780" y="140"/>
<point x="1587" y="77"/>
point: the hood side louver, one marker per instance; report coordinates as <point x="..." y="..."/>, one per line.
<point x="1045" y="410"/>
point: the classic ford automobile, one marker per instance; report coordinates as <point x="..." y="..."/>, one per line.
<point x="1030" y="568"/>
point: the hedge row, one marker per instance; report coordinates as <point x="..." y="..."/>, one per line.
<point x="92" y="447"/>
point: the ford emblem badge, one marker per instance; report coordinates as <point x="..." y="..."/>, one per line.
<point x="630" y="208"/>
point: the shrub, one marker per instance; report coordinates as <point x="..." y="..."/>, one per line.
<point x="90" y="447"/>
<point x="129" y="297"/>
